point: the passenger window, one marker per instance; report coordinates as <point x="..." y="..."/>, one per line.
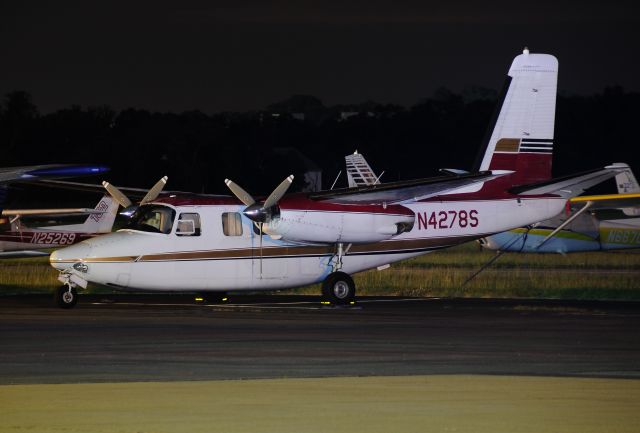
<point x="188" y="224"/>
<point x="231" y="224"/>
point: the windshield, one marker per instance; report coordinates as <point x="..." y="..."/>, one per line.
<point x="152" y="218"/>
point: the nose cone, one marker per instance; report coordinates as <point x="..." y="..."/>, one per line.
<point x="65" y="257"/>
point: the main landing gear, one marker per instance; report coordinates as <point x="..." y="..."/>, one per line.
<point x="65" y="296"/>
<point x="339" y="289"/>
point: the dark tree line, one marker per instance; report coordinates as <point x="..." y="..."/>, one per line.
<point x="258" y="149"/>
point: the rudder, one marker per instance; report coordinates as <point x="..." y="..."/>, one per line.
<point x="520" y="136"/>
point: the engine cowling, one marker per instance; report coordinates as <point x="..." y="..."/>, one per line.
<point x="341" y="223"/>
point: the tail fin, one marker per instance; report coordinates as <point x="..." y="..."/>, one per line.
<point x="520" y="136"/>
<point x="98" y="222"/>
<point x="627" y="184"/>
<point x="359" y="172"/>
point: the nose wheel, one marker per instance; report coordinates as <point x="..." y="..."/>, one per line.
<point x="65" y="296"/>
<point x="338" y="288"/>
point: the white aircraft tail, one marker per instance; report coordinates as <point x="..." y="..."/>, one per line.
<point x="97" y="222"/>
<point x="520" y="135"/>
<point x="627" y="184"/>
<point x="359" y="172"/>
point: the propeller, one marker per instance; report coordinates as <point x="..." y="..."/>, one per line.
<point x="123" y="200"/>
<point x="260" y="213"/>
<point x="255" y="211"/>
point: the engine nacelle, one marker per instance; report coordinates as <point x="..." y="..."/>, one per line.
<point x="333" y="226"/>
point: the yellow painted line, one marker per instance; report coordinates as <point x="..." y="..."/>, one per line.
<point x="460" y="403"/>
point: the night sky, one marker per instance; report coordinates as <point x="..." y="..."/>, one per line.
<point x="243" y="55"/>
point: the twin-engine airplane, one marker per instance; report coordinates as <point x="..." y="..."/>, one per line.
<point x="583" y="230"/>
<point x="213" y="245"/>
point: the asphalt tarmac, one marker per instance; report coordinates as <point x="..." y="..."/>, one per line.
<point x="127" y="338"/>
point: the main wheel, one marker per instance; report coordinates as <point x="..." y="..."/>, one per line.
<point x="65" y="297"/>
<point x="339" y="288"/>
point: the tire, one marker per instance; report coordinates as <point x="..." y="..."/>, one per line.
<point x="65" y="298"/>
<point x="338" y="288"/>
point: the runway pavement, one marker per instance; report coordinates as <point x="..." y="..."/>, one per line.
<point x="171" y="338"/>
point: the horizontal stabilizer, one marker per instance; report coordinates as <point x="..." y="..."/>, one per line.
<point x="573" y="185"/>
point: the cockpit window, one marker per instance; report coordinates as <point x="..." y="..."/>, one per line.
<point x="152" y="218"/>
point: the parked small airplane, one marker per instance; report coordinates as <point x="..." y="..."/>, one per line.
<point x="582" y="230"/>
<point x="213" y="245"/>
<point x="18" y="240"/>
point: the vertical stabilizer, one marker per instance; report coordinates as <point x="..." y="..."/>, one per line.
<point x="95" y="223"/>
<point x="520" y="136"/>
<point x="627" y="184"/>
<point x="359" y="172"/>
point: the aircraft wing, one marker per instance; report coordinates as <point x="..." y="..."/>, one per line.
<point x="22" y="254"/>
<point x="45" y="212"/>
<point x="573" y="185"/>
<point x="403" y="191"/>
<point x="610" y="201"/>
<point x="91" y="187"/>
<point x="37" y="172"/>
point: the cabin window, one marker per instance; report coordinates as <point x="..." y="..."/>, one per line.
<point x="152" y="218"/>
<point x="188" y="224"/>
<point x="231" y="224"/>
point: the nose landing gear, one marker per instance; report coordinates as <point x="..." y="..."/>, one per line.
<point x="65" y="296"/>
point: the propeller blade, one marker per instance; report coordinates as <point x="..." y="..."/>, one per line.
<point x="277" y="193"/>
<point x="242" y="195"/>
<point x="117" y="194"/>
<point x="155" y="191"/>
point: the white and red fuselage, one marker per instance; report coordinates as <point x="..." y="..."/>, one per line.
<point x="214" y="260"/>
<point x="205" y="244"/>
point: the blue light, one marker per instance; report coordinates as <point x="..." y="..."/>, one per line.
<point x="68" y="171"/>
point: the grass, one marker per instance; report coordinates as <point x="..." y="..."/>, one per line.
<point x="598" y="275"/>
<point x="345" y="404"/>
